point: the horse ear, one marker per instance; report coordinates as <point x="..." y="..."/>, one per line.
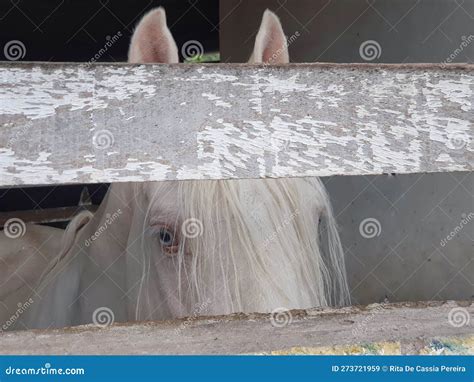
<point x="152" y="40"/>
<point x="270" y="44"/>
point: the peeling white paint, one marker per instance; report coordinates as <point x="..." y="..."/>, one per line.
<point x="235" y="121"/>
<point x="217" y="100"/>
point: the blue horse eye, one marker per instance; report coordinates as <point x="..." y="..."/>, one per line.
<point x="166" y="237"/>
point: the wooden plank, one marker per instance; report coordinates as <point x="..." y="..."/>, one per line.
<point x="79" y="123"/>
<point x="401" y="328"/>
<point x="42" y="216"/>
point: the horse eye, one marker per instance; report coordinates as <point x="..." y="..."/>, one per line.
<point x="166" y="237"/>
<point x="168" y="241"/>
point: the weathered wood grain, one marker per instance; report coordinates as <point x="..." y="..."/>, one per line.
<point x="404" y="328"/>
<point x="48" y="215"/>
<point x="78" y="123"/>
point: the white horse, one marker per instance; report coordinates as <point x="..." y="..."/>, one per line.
<point x="162" y="250"/>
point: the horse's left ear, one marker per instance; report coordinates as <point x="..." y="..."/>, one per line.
<point x="270" y="44"/>
<point x="152" y="40"/>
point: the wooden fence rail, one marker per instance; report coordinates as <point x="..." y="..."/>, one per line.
<point x="79" y="123"/>
<point x="400" y="328"/>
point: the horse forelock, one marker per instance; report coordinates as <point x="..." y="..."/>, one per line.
<point x="257" y="247"/>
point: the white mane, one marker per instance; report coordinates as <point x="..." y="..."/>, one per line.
<point x="256" y="247"/>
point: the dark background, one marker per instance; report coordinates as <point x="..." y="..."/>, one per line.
<point x="408" y="31"/>
<point x="74" y="30"/>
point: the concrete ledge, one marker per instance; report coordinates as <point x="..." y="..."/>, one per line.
<point x="400" y="328"/>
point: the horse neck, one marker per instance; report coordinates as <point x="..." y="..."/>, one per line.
<point x="85" y="275"/>
<point x="103" y="245"/>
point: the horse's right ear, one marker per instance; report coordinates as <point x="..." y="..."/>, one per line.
<point x="152" y="40"/>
